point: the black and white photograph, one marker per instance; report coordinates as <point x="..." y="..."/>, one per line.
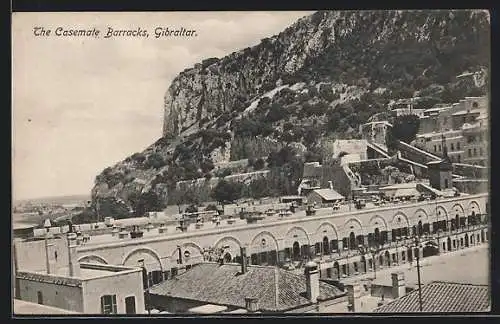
<point x="191" y="163"/>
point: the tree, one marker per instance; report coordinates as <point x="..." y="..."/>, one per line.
<point x="206" y="165"/>
<point x="192" y="209"/>
<point x="405" y="128"/>
<point x="145" y="202"/>
<point x="259" y="188"/>
<point x="226" y="192"/>
<point x="138" y="157"/>
<point x="281" y="157"/>
<point x="155" y="160"/>
<point x="311" y="156"/>
<point x="210" y="207"/>
<point x="311" y="136"/>
<point x="259" y="164"/>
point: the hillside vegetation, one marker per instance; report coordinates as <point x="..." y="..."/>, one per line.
<point x="316" y="81"/>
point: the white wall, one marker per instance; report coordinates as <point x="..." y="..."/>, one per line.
<point x="65" y="297"/>
<point x="121" y="285"/>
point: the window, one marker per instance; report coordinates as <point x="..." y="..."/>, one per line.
<point x="463" y="119"/>
<point x="439" y="148"/>
<point x="435" y="148"/>
<point x="481" y="151"/>
<point x="39" y="297"/>
<point x="452" y="147"/>
<point x="474" y="105"/>
<point x="470" y="152"/>
<point x="446" y="183"/>
<point x="458" y="158"/>
<point x="458" y="146"/>
<point x="475" y="152"/>
<point x="108" y="304"/>
<point x="130" y="305"/>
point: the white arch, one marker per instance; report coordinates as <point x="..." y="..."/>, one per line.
<point x="353" y="225"/>
<point x="457" y="209"/>
<point x="292" y="239"/>
<point x="376" y="221"/>
<point x="227" y="238"/>
<point x="474" y="207"/>
<point x="420" y="215"/>
<point x="145" y="250"/>
<point x="400" y="220"/>
<point x="188" y="244"/>
<point x="262" y="235"/>
<point x="441" y="213"/>
<point x="92" y="256"/>
<point x="320" y="234"/>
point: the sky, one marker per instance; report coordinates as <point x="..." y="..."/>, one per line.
<point x="81" y="104"/>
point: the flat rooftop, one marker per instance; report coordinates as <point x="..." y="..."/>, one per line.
<point x="210" y="227"/>
<point x="22" y="307"/>
<point x="367" y="304"/>
<point x="207" y="309"/>
<point x="451" y="266"/>
<point x="87" y="271"/>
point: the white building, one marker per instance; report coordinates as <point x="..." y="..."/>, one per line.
<point x="87" y="288"/>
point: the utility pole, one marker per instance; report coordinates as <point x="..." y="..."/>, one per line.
<point x="418" y="275"/>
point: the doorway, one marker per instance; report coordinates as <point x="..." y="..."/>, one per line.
<point x="296" y="251"/>
<point x="130" y="305"/>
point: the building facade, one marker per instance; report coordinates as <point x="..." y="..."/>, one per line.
<point x="271" y="243"/>
<point x="89" y="288"/>
<point x="375" y="132"/>
<point x="104" y="289"/>
<point x="463" y="125"/>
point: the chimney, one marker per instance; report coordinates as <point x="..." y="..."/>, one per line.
<point x="353" y="294"/>
<point x="398" y="285"/>
<point x="312" y="281"/>
<point x="330" y="183"/>
<point x="251" y="304"/>
<point x="74" y="266"/>
<point x="243" y="252"/>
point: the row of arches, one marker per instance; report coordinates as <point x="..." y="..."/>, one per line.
<point x="403" y="254"/>
<point x="297" y="243"/>
<point x="377" y="233"/>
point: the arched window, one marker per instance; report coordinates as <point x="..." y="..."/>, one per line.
<point x="108" y="304"/>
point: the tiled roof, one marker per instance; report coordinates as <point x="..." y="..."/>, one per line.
<point x="225" y="285"/>
<point x="53" y="279"/>
<point x="329" y="194"/>
<point x="440" y="297"/>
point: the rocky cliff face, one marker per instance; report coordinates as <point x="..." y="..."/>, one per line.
<point x="217" y="85"/>
<point x="320" y="77"/>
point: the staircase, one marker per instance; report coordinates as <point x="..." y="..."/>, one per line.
<point x="415" y="154"/>
<point x="355" y="180"/>
<point x="379" y="149"/>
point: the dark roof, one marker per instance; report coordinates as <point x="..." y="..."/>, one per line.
<point x="328" y="194"/>
<point x="440" y="297"/>
<point x="444" y="164"/>
<point x="52" y="279"/>
<point x="225" y="285"/>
